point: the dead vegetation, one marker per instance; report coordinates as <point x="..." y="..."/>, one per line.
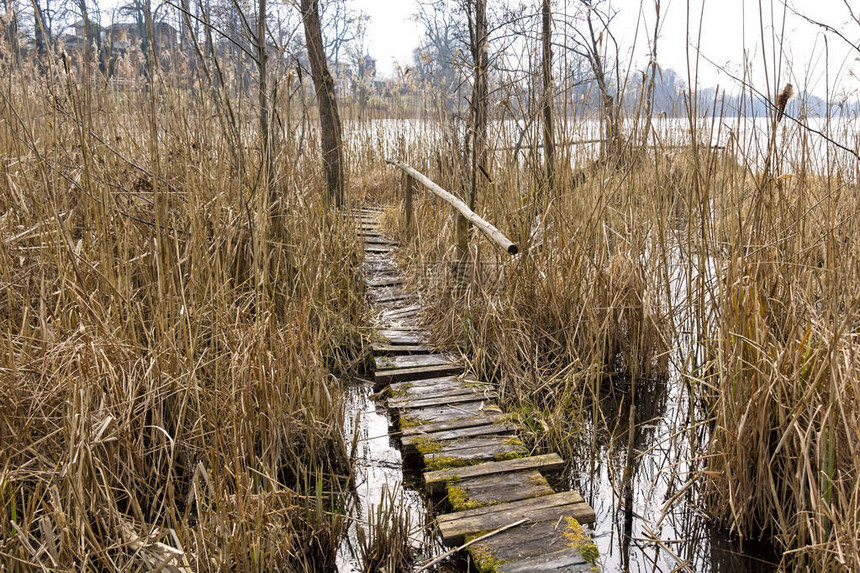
<point x="166" y="397"/>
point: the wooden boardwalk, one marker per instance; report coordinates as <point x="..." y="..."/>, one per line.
<point x="470" y="450"/>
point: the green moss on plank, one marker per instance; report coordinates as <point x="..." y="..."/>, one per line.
<point x="400" y="392"/>
<point x="446" y="462"/>
<point x="460" y="500"/>
<point x="503" y="456"/>
<point x="537" y="480"/>
<point x="580" y="541"/>
<point x="426" y="445"/>
<point x="483" y="558"/>
<point x="407" y="422"/>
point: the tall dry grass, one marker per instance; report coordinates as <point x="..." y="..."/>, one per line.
<point x="734" y="267"/>
<point x="169" y="333"/>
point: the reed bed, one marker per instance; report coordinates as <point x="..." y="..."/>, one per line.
<point x="169" y="332"/>
<point x="724" y="254"/>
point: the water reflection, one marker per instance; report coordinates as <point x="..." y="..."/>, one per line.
<point x="378" y="468"/>
<point x="664" y="529"/>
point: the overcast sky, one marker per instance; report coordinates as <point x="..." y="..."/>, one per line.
<point x="730" y="29"/>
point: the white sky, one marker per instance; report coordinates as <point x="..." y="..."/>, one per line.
<point x="730" y="29"/>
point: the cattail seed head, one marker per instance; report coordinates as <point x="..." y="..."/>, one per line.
<point x="782" y="100"/>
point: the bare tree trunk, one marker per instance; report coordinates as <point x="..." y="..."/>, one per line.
<point x="266" y="168"/>
<point x="480" y="95"/>
<point x="609" y="111"/>
<point x="39" y="30"/>
<point x="652" y="76"/>
<point x="548" y="134"/>
<point x="9" y="25"/>
<point x="477" y="16"/>
<point x="330" y="128"/>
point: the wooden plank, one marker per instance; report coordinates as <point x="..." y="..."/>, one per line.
<point x="415" y="390"/>
<point x="402" y="397"/>
<point x="377" y="293"/>
<point x="431" y="383"/>
<point x="410" y="403"/>
<point x="402" y="312"/>
<point x="558" y="506"/>
<point x="441" y="387"/>
<point x="501" y="488"/>
<point x="385" y="377"/>
<point x="449" y="413"/>
<point x="436" y="480"/>
<point x="567" y="560"/>
<point x="473" y="450"/>
<point x="394" y="299"/>
<point x="428" y="388"/>
<point x="403" y="336"/>
<point x="482" y="418"/>
<point x="394" y="349"/>
<point x="412" y="361"/>
<point x="377" y="249"/>
<point x="383" y="241"/>
<point x="390" y="295"/>
<point x="502" y="429"/>
<point x="533" y="547"/>
<point x="384" y="282"/>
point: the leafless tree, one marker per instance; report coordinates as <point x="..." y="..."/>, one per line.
<point x="9" y="27"/>
<point x="594" y="43"/>
<point x="476" y="14"/>
<point x="341" y="25"/>
<point x="546" y="68"/>
<point x="438" y="57"/>
<point x="330" y="127"/>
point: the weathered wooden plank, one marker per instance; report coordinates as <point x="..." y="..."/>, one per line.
<point x="404" y="339"/>
<point x="381" y="282"/>
<point x="382" y="296"/>
<point x="403" y="336"/>
<point x="463" y="396"/>
<point x="394" y="349"/>
<point x="429" y="383"/>
<point x="377" y="248"/>
<point x="436" y="480"/>
<point x="399" y="298"/>
<point x="414" y="390"/>
<point x="412" y="361"/>
<point x="470" y="450"/>
<point x="567" y="560"/>
<point x="384" y="377"/>
<point x="499" y="429"/>
<point x="498" y="488"/>
<point x="400" y="398"/>
<point x="544" y="547"/>
<point x="437" y="414"/>
<point x="556" y="507"/>
<point x="383" y="241"/>
<point x="412" y="310"/>
<point x="414" y="428"/>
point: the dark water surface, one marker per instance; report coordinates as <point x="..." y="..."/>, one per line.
<point x="378" y="468"/>
<point x="668" y="529"/>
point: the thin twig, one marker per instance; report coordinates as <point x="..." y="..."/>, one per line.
<point x="467" y="544"/>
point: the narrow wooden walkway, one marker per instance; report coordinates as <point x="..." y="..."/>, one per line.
<point x="469" y="449"/>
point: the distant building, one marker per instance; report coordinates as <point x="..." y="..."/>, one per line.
<point x="121" y="45"/>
